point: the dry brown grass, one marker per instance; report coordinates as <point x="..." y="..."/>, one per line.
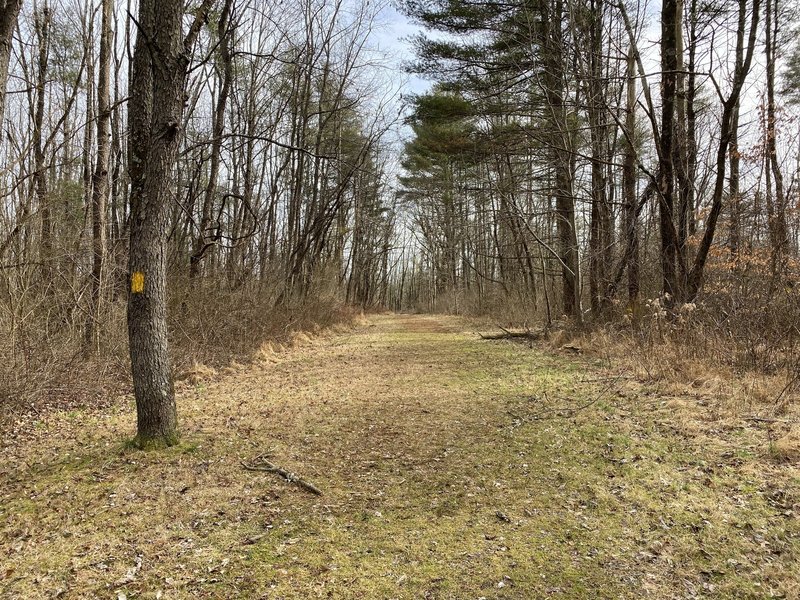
<point x="709" y="387"/>
<point x="788" y="447"/>
<point x="43" y="365"/>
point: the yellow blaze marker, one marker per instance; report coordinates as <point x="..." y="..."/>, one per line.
<point x="137" y="282"/>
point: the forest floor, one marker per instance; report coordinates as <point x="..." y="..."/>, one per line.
<point x="450" y="466"/>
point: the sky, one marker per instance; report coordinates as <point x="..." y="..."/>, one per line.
<point x="393" y="38"/>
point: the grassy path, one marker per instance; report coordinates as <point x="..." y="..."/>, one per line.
<point x="451" y="468"/>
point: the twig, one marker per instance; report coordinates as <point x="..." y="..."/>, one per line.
<point x="788" y="385"/>
<point x="769" y="420"/>
<point x="568" y="412"/>
<point x="607" y="379"/>
<point x="267" y="467"/>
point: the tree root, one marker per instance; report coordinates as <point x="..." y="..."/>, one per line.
<point x="267" y="467"/>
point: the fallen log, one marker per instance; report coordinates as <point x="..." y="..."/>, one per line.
<point x="506" y="335"/>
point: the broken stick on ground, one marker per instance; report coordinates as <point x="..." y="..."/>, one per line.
<point x="262" y="464"/>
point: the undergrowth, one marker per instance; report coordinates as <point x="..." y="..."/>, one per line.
<point x="44" y="363"/>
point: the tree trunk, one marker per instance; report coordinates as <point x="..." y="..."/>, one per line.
<point x="160" y="61"/>
<point x="629" y="188"/>
<point x="681" y="144"/>
<point x="204" y="242"/>
<point x="694" y="278"/>
<point x="734" y="235"/>
<point x="100" y="176"/>
<point x="42" y="27"/>
<point x="777" y="223"/>
<point x="691" y="124"/>
<point x="9" y="12"/>
<point x="561" y="157"/>
<point x="666" y="184"/>
<point x="599" y="234"/>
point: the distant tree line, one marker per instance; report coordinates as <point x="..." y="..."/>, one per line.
<point x="562" y="163"/>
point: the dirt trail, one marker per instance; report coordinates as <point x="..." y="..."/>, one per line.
<point x="451" y="468"/>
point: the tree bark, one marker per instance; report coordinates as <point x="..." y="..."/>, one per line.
<point x="160" y="62"/>
<point x="694" y="278"/>
<point x="561" y="159"/>
<point x="600" y="230"/>
<point x="100" y="185"/>
<point x="734" y="198"/>
<point x="9" y="13"/>
<point x="629" y="188"/>
<point x="42" y="27"/>
<point x="777" y="223"/>
<point x="204" y="242"/>
<point x="666" y="184"/>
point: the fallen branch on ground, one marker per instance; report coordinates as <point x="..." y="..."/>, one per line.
<point x="528" y="335"/>
<point x="568" y="411"/>
<point x="267" y="467"/>
<point x="769" y="420"/>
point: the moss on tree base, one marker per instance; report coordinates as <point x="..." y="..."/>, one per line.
<point x="148" y="443"/>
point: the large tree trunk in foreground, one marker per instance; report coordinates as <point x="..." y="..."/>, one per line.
<point x="160" y="62"/>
